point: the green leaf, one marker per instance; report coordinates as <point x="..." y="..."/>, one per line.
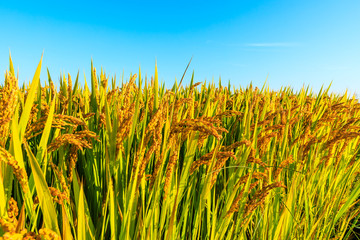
<point x="112" y="211"/>
<point x="76" y="84"/>
<point x="2" y="196"/>
<point x="11" y="65"/>
<point x="46" y="133"/>
<point x="42" y="147"/>
<point x="156" y="88"/>
<point x="81" y="218"/>
<point x="77" y="191"/>
<point x="94" y="89"/>
<point x="43" y="193"/>
<point x="30" y="100"/>
<point x="351" y="199"/>
<point x="66" y="230"/>
<point x="14" y="146"/>
<point x="21" y="221"/>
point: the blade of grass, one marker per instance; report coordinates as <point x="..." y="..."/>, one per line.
<point x="81" y="218"/>
<point x="29" y="101"/>
<point x="66" y="229"/>
<point x="43" y="193"/>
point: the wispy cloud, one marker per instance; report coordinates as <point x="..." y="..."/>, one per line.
<point x="272" y="44"/>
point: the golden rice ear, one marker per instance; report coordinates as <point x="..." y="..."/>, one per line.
<point x="169" y="173"/>
<point x="283" y="165"/>
<point x="8" y="103"/>
<point x="48" y="234"/>
<point x="62" y="180"/>
<point x="73" y="156"/>
<point x="18" y="171"/>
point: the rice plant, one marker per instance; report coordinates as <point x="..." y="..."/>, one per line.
<point x="135" y="160"/>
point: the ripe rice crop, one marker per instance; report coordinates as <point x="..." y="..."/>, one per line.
<point x="138" y="161"/>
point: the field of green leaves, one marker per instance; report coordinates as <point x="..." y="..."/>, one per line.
<point x="130" y="159"/>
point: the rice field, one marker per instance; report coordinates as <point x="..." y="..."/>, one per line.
<point x="130" y="159"/>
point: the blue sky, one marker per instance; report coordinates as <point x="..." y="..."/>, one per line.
<point x="292" y="42"/>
